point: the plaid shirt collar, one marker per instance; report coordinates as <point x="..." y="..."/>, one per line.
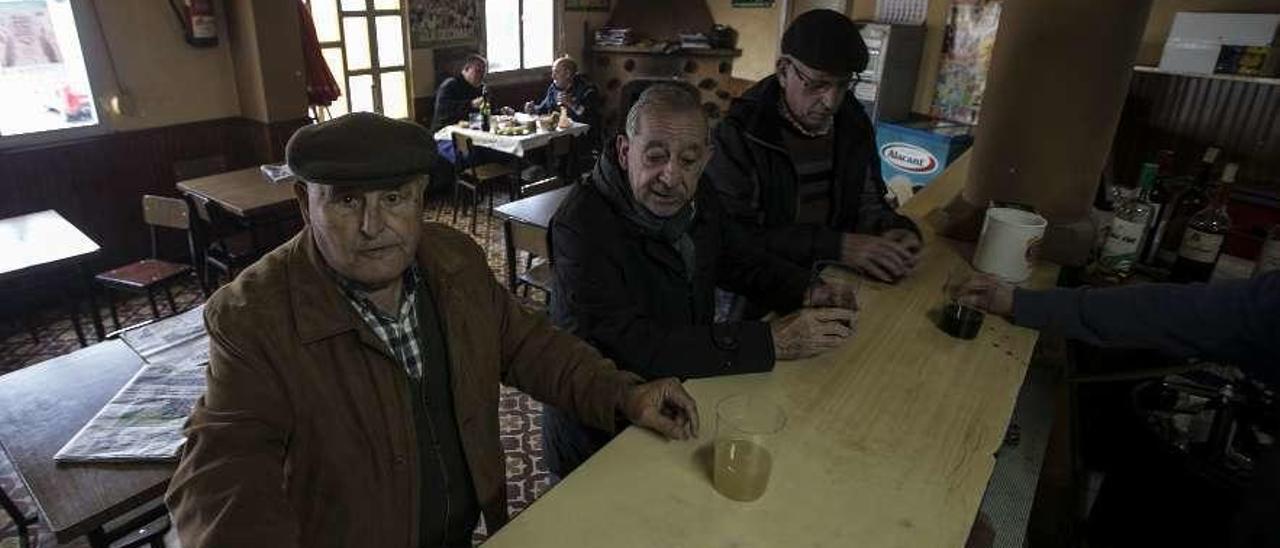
<point x="400" y="332"/>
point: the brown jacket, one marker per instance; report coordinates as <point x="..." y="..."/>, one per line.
<point x="305" y="436"/>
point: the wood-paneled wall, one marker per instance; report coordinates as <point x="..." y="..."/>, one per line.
<point x="97" y="183"/>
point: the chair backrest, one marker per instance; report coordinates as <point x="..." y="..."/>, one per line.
<point x="527" y="237"/>
<point x="538" y="187"/>
<point x="166" y="212"/>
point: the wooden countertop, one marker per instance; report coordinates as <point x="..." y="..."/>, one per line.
<point x="889" y="442"/>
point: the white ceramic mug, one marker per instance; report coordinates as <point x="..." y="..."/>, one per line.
<point x="1009" y="243"/>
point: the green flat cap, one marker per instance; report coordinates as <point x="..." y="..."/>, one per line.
<point x="360" y="149"/>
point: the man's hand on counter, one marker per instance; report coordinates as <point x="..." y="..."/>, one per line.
<point x="989" y="294"/>
<point x="881" y="257"/>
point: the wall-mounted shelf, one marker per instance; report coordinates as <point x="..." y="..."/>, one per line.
<point x="1227" y="77"/>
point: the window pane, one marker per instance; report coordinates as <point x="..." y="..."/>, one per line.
<point x="386" y="4"/>
<point x="539" y="31"/>
<point x="333" y="58"/>
<point x="362" y="93"/>
<point x="502" y="34"/>
<point x="325" y="15"/>
<point x="43" y="83"/>
<point x="395" y="98"/>
<point x="356" y="42"/>
<point x="354" y="5"/>
<point x="390" y="41"/>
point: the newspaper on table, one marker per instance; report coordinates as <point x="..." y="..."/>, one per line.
<point x="143" y="422"/>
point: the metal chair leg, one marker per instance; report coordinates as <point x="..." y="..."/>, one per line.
<point x="75" y="321"/>
<point x="168" y="295"/>
<point x="20" y="522"/>
<point x="151" y="297"/>
<point x="111" y="305"/>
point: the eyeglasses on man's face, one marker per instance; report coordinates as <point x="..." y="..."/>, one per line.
<point x="816" y="86"/>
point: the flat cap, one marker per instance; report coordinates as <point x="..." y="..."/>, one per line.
<point x="360" y="149"/>
<point x="826" y="40"/>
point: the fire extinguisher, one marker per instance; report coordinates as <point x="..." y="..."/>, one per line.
<point x="199" y="24"/>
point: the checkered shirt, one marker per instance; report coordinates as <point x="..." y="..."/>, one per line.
<point x="400" y="333"/>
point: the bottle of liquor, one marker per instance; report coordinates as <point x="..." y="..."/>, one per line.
<point x="1101" y="214"/>
<point x="1124" y="239"/>
<point x="485" y="111"/>
<point x="1186" y="204"/>
<point x="1269" y="259"/>
<point x="1206" y="231"/>
<point x="1159" y="197"/>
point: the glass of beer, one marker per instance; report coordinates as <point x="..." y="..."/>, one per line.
<point x="747" y="428"/>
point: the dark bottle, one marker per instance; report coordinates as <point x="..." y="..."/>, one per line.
<point x="1205" y="234"/>
<point x="1159" y="198"/>
<point x="1187" y="203"/>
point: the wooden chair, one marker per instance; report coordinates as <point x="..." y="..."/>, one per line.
<point x="474" y="178"/>
<point x="153" y="273"/>
<point x="531" y="239"/>
<point x="224" y="246"/>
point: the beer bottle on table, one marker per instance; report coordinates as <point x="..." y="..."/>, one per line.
<point x="484" y="109"/>
<point x="1124" y="239"/>
<point x="1206" y="231"/>
<point x="1269" y="259"/>
<point x="1187" y="203"/>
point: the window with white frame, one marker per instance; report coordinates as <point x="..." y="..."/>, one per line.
<point x="519" y="34"/>
<point x="43" y="82"/>
<point x="364" y="44"/>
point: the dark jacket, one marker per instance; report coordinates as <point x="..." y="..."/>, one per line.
<point x="453" y="102"/>
<point x="627" y="294"/>
<point x="1236" y="321"/>
<point x="306" y="434"/>
<point x="585" y="95"/>
<point x="756" y="180"/>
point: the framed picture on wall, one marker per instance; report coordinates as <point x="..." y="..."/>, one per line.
<point x="435" y="23"/>
<point x="586" y="5"/>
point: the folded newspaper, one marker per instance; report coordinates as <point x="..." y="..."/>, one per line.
<point x="143" y="422"/>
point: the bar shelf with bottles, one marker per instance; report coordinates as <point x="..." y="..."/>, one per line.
<point x="1174" y="227"/>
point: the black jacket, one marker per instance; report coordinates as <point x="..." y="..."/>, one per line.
<point x="627" y="294"/>
<point x="755" y="178"/>
<point x="453" y="101"/>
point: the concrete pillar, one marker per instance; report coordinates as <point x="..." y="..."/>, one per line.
<point x="1058" y="79"/>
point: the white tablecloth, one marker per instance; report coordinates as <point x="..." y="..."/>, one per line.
<point x="510" y="144"/>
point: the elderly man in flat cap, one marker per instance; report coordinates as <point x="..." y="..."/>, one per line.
<point x="353" y="378"/>
<point x="796" y="158"/>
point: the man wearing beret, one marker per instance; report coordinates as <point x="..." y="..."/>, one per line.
<point x="796" y="158"/>
<point x="352" y="394"/>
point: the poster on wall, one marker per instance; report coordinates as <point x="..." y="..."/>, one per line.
<point x="962" y="74"/>
<point x="586" y="5"/>
<point x="43" y="82"/>
<point x="752" y="3"/>
<point x="443" y="22"/>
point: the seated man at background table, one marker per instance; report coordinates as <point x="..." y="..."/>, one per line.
<point x="637" y="253"/>
<point x="456" y="98"/>
<point x="579" y="96"/>
<point x="1233" y="321"/>
<point x="796" y="158"/>
<point x="352" y="394"/>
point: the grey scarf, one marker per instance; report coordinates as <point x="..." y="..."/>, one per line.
<point x="674" y="230"/>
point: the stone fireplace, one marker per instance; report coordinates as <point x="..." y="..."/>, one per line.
<point x="621" y="71"/>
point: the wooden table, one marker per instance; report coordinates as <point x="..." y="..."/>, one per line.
<point x="244" y="193"/>
<point x="890" y="439"/>
<point x="45" y="240"/>
<point x="535" y="210"/>
<point x="43" y="406"/>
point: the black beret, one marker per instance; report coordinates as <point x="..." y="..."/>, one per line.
<point x="362" y="149"/>
<point x="826" y="40"/>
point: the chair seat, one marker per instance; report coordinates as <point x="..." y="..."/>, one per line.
<point x="143" y="274"/>
<point x="484" y="172"/>
<point x="539" y="275"/>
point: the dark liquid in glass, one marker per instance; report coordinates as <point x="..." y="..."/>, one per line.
<point x="961" y="321"/>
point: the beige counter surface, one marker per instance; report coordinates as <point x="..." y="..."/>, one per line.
<point x="889" y="443"/>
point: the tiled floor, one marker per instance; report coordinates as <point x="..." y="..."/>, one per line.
<point x="520" y="415"/>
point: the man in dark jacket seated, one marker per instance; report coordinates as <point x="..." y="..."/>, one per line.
<point x="796" y="158"/>
<point x="579" y="97"/>
<point x="456" y="98"/>
<point x="638" y="251"/>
